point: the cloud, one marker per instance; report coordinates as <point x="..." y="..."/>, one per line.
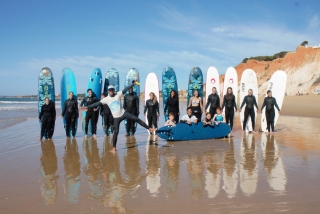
<point x="314" y="21"/>
<point x="218" y="30"/>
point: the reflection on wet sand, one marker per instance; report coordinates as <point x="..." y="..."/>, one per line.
<point x="248" y="165"/>
<point x="213" y="173"/>
<point x="71" y="160"/>
<point x="273" y="164"/>
<point x="196" y="177"/>
<point x="153" y="166"/>
<point x="230" y="175"/>
<point x="49" y="167"/>
<point x="171" y="173"/>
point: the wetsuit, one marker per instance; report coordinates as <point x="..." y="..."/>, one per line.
<point x="270" y="103"/>
<point x="106" y="115"/>
<point x="118" y="113"/>
<point x="153" y="111"/>
<point x="214" y="102"/>
<point x="172" y="105"/>
<point x="91" y="114"/>
<point x="196" y="109"/>
<point x="70" y="113"/>
<point x="131" y="105"/>
<point x="230" y="104"/>
<point x="47" y="116"/>
<point x="250" y="102"/>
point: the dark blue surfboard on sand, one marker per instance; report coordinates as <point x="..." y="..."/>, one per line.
<point x="183" y="131"/>
<point x="45" y="89"/>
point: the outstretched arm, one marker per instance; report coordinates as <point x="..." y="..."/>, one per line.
<point x="127" y="88"/>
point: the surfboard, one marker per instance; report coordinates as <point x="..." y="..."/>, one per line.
<point x="95" y="84"/>
<point x="169" y="83"/>
<point x="68" y="84"/>
<point x="195" y="83"/>
<point x="183" y="131"/>
<point x="277" y="85"/>
<point x="132" y="74"/>
<point x="151" y="85"/>
<point x="248" y="81"/>
<point x="212" y="80"/>
<point x="112" y="78"/>
<point x="231" y="80"/>
<point x="46" y="89"/>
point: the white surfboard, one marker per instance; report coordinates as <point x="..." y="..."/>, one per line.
<point x="212" y="81"/>
<point x="151" y="85"/>
<point x="277" y="85"/>
<point x="231" y="80"/>
<point x="248" y="81"/>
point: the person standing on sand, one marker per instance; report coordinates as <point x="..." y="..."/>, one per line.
<point x="195" y="104"/>
<point x="270" y="102"/>
<point x="250" y="102"/>
<point x="229" y="101"/>
<point x="118" y="113"/>
<point x="91" y="114"/>
<point x="106" y="115"/>
<point x="214" y="102"/>
<point x="47" y="116"/>
<point x="131" y="104"/>
<point x="70" y="113"/>
<point x="152" y="106"/>
<point x="172" y="105"/>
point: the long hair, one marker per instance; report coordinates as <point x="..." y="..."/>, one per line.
<point x="154" y="98"/>
<point x="175" y="93"/>
<point x="231" y="95"/>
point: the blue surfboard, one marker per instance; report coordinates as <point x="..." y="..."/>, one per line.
<point x="169" y="83"/>
<point x="95" y="83"/>
<point x="195" y="83"/>
<point x="132" y="74"/>
<point x="183" y="131"/>
<point x="112" y="78"/>
<point x="68" y="84"/>
<point x="45" y="89"/>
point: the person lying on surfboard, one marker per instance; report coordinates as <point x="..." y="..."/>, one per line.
<point x="189" y="117"/>
<point x="218" y="118"/>
<point x="207" y="121"/>
<point x="118" y="113"/>
<point x="170" y="121"/>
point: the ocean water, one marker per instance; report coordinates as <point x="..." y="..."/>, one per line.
<point x="16" y="110"/>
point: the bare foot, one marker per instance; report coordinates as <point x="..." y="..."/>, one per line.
<point x="67" y="138"/>
<point x="150" y="130"/>
<point x="113" y="151"/>
<point x="126" y="135"/>
<point x="94" y="136"/>
<point x="86" y="137"/>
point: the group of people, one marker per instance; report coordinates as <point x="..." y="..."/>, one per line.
<point x="113" y="113"/>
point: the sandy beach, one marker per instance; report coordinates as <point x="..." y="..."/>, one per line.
<point x="244" y="174"/>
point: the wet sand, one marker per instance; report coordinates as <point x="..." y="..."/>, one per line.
<point x="245" y="174"/>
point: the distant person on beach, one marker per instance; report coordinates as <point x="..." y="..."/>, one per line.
<point x="172" y="105"/>
<point x="170" y="121"/>
<point x="152" y="106"/>
<point x="218" y="118"/>
<point x="229" y="103"/>
<point x="189" y="117"/>
<point x="47" y="116"/>
<point x="118" y="113"/>
<point x="195" y="104"/>
<point x="106" y="115"/>
<point x="70" y="113"/>
<point x="214" y="101"/>
<point x="207" y="121"/>
<point x="270" y="102"/>
<point x="250" y="102"/>
<point x="91" y="113"/>
<point x="131" y="104"/>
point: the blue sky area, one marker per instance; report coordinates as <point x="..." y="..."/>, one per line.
<point x="147" y="35"/>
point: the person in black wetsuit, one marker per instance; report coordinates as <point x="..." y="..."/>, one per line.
<point x="131" y="104"/>
<point x="152" y="106"/>
<point x="91" y="114"/>
<point x="47" y="116"/>
<point x="106" y="115"/>
<point x="172" y="105"/>
<point x="214" y="102"/>
<point x="229" y="102"/>
<point x="70" y="113"/>
<point x="250" y="102"/>
<point x="270" y="102"/>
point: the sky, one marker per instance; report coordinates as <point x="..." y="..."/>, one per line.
<point x="147" y="35"/>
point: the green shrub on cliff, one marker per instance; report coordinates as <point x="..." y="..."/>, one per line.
<point x="267" y="58"/>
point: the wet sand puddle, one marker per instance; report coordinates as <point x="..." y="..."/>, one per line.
<point x="247" y="173"/>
